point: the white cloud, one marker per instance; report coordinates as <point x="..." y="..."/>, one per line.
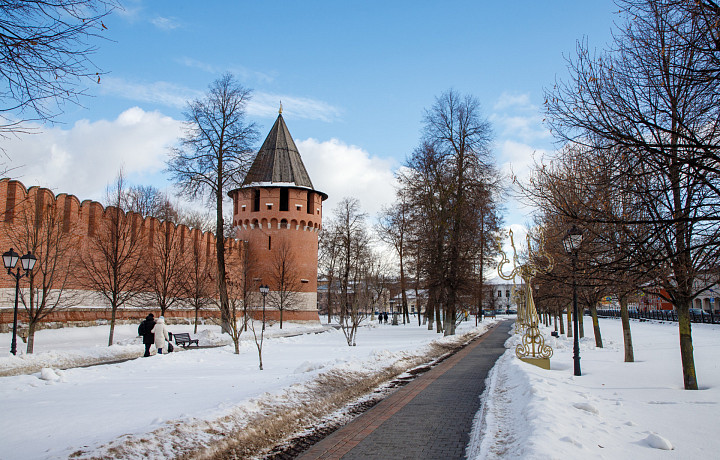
<point x="159" y="92"/>
<point x="260" y="105"/>
<point x="82" y="160"/>
<point x="509" y="100"/>
<point x="267" y="105"/>
<point x="342" y="170"/>
<point x="517" y="158"/>
<point x="164" y="23"/>
<point x="239" y="71"/>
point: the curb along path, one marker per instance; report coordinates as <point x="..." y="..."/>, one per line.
<point x="429" y="418"/>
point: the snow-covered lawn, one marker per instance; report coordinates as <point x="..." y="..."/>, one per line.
<point x="615" y="409"/>
<point x="178" y="403"/>
<point x="169" y="404"/>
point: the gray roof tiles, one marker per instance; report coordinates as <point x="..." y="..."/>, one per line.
<point x="278" y="160"/>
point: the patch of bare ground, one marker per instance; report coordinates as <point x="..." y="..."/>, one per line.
<point x="278" y="426"/>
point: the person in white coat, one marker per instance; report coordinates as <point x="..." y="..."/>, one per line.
<point x="161" y="335"/>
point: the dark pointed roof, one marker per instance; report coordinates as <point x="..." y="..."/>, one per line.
<point x="278" y="160"/>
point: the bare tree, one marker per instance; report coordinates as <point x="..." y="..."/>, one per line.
<point x="393" y="228"/>
<point x="644" y="104"/>
<point x="197" y="286"/>
<point x="214" y="157"/>
<point x="45" y="233"/>
<point x="284" y="279"/>
<point x="352" y="240"/>
<point x="112" y="263"/>
<point x="45" y="55"/>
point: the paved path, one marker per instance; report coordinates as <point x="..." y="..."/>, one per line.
<point x="429" y="418"/>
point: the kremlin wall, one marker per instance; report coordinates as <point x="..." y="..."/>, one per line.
<point x="276" y="210"/>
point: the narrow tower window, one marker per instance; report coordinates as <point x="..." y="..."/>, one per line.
<point x="284" y="198"/>
<point x="269" y="243"/>
<point x="309" y="203"/>
<point x="256" y="200"/>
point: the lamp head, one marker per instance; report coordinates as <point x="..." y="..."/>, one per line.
<point x="10" y="258"/>
<point x="28" y="261"/>
<point x="573" y="239"/>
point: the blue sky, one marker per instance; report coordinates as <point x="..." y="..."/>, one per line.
<point x="354" y="79"/>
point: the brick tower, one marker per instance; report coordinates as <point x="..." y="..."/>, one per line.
<point x="278" y="214"/>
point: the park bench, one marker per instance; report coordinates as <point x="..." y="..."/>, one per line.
<point x="183" y="339"/>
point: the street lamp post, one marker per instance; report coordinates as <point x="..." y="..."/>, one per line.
<point x="264" y="289"/>
<point x="572" y="242"/>
<point x="27" y="262"/>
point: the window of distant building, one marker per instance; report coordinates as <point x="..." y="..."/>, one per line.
<point x="499" y="293"/>
<point x="507" y="293"/>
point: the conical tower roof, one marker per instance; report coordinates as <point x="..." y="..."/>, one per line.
<point x="278" y="160"/>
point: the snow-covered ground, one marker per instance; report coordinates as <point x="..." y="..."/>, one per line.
<point x="175" y="403"/>
<point x="169" y="404"/>
<point x="614" y="410"/>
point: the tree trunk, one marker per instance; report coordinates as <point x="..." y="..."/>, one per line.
<point x="112" y="325"/>
<point x="569" y="322"/>
<point x="581" y="314"/>
<point x="438" y="319"/>
<point x="196" y="321"/>
<point x="31" y="337"/>
<point x="562" y="323"/>
<point x="686" y="347"/>
<point x="627" y="336"/>
<point x="596" y="326"/>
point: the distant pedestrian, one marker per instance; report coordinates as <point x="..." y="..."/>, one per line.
<point x="385" y="316"/>
<point x="161" y="335"/>
<point x="145" y="330"/>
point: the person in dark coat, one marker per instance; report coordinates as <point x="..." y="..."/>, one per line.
<point x="145" y="330"/>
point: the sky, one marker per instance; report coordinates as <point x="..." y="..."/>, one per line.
<point x="173" y="404"/>
<point x="354" y="79"/>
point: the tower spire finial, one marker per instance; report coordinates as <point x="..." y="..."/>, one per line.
<point x="280" y="111"/>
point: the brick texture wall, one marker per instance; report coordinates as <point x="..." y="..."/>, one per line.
<point x="20" y="210"/>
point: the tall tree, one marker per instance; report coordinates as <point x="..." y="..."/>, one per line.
<point x="447" y="172"/>
<point x="45" y="56"/>
<point x="213" y="157"/>
<point x="644" y="103"/>
<point x="112" y="264"/>
<point x="41" y="229"/>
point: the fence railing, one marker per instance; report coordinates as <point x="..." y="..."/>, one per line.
<point x="662" y="315"/>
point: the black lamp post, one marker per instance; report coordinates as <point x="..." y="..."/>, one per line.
<point x="27" y="262"/>
<point x="264" y="289"/>
<point x="572" y="242"/>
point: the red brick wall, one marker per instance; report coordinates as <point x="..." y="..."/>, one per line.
<point x="266" y="229"/>
<point x="82" y="219"/>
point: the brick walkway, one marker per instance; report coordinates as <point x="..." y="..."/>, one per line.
<point x="429" y="418"/>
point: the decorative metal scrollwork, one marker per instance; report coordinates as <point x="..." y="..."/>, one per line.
<point x="533" y="343"/>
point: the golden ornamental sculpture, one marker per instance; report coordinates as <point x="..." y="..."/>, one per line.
<point x="532" y="348"/>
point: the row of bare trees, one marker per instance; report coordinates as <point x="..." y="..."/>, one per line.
<point x="114" y="261"/>
<point x="640" y="170"/>
<point x="442" y="226"/>
<point x="447" y="215"/>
